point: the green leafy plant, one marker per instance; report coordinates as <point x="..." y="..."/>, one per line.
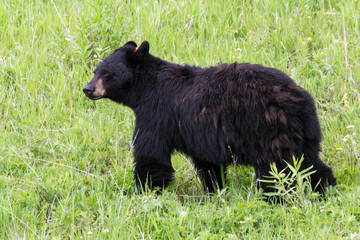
<point x="292" y="184"/>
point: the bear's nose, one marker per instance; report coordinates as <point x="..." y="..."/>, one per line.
<point x="88" y="90"/>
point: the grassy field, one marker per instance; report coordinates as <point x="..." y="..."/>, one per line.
<point x="66" y="161"/>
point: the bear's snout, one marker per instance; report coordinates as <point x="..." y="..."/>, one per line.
<point x="95" y="89"/>
<point x="88" y="90"/>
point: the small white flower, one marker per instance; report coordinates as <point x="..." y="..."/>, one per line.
<point x="106" y="230"/>
<point x="345" y="138"/>
<point x="89" y="233"/>
<point x="350" y="126"/>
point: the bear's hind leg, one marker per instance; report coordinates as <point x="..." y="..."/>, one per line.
<point x="262" y="171"/>
<point x="322" y="178"/>
<point x="212" y="176"/>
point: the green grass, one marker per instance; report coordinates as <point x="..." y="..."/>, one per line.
<point x="66" y="162"/>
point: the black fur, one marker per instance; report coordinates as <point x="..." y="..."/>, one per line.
<point x="232" y="112"/>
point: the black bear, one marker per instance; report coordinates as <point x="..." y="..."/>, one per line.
<point x="217" y="115"/>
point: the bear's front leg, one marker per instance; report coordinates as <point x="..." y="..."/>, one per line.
<point x="152" y="157"/>
<point x="152" y="173"/>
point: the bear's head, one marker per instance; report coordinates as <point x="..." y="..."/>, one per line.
<point x="114" y="75"/>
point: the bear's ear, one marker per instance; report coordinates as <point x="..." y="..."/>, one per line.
<point x="144" y="48"/>
<point x="130" y="43"/>
<point x="134" y="56"/>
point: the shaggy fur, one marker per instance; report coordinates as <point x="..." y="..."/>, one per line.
<point x="232" y="112"/>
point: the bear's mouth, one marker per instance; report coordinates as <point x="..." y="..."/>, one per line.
<point x="95" y="97"/>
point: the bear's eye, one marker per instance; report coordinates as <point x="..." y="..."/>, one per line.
<point x="104" y="73"/>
